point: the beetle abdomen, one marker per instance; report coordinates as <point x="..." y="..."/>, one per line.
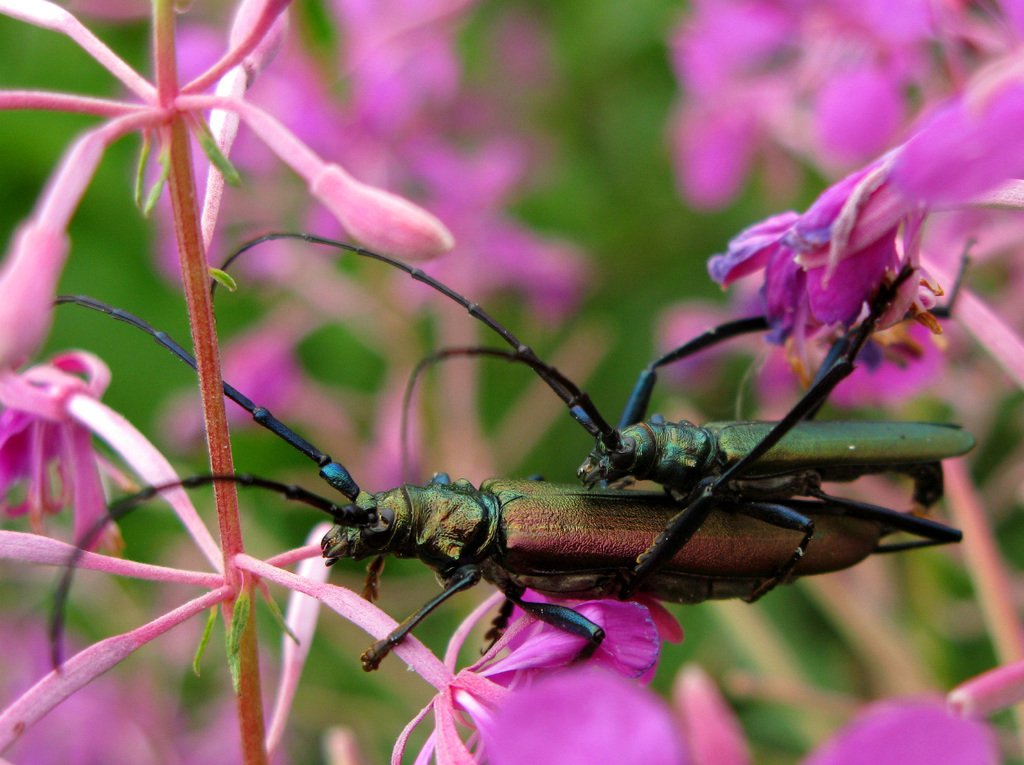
<point x="843" y="445"/>
<point x="566" y="540"/>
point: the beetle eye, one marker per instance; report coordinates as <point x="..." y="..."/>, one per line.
<point x="625" y="458"/>
<point x="379" y="531"/>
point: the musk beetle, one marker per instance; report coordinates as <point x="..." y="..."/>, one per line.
<point x="703" y="466"/>
<point x="744" y="526"/>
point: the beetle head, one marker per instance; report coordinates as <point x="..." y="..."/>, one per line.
<point x="604" y="464"/>
<point x="359" y="533"/>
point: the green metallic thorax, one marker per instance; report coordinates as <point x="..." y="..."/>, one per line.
<point x="673" y="454"/>
<point x="444" y="525"/>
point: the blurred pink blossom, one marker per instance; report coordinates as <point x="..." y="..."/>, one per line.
<point x="832" y="84"/>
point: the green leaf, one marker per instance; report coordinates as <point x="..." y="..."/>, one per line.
<point x="207" y="632"/>
<point x="239" y="619"/>
<point x="140" y="169"/>
<point x="154" y="193"/>
<point x="209" y="146"/>
<point x="279" y="618"/>
<point x="223" y="278"/>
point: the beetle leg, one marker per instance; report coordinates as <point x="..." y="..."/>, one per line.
<point x="640" y="397"/>
<point x="565" y="619"/>
<point x="930" y="532"/>
<point x="371" y="586"/>
<point x="828" y="378"/>
<point x="463" y="578"/>
<point x="928" y="483"/>
<point x="499" y="623"/>
<point x="785" y="518"/>
<point x="677" y="533"/>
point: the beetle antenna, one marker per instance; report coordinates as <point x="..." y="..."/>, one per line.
<point x="580" y="405"/>
<point x="331" y="471"/>
<point x="443" y="354"/>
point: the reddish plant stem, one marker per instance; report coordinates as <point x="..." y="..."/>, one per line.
<point x="195" y="277"/>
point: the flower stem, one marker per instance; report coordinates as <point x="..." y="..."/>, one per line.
<point x="194" y="272"/>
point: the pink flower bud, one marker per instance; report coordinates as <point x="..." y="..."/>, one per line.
<point x="379" y="219"/>
<point x="710" y="727"/>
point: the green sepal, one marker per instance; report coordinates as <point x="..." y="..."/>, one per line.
<point x="275" y="611"/>
<point x="239" y="620"/>
<point x="140" y="168"/>
<point x="207" y="632"/>
<point x="209" y="146"/>
<point x="157" y="189"/>
<point x="223" y="278"/>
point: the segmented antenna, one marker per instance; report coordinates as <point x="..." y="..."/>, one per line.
<point x="331" y="471"/>
<point x="580" y="405"/>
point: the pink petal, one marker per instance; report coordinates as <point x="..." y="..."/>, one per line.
<point x="584" y="716"/>
<point x="710" y="728"/>
<point x="149" y="463"/>
<point x="630" y="648"/>
<point x="908" y="732"/>
<point x="451" y="750"/>
<point x="256" y="24"/>
<point x="28" y="283"/>
<point x="377" y="218"/>
<point x="301" y="617"/>
<point x="33" y="548"/>
<point x="398" y="753"/>
<point x="858" y="112"/>
<point x="989" y="692"/>
<point x="90" y="663"/>
<point x="712" y="153"/>
<point x="1003" y="344"/>
<point x="51" y="16"/>
<point x="455" y="642"/>
<point x="965" y="149"/>
<point x="360" y="612"/>
<point x="669" y="628"/>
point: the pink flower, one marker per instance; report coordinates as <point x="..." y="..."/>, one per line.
<point x="526" y="654"/>
<point x="759" y="76"/>
<point x="148" y="729"/>
<point x="28" y="282"/>
<point x="587" y="716"/>
<point x="970" y="144"/>
<point x="379" y="218"/>
<point x="39" y="438"/>
<point x="584" y="716"/>
<point x="909" y="732"/>
<point x="822" y="267"/>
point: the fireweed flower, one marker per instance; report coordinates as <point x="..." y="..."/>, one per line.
<point x="145" y="731"/>
<point x="402" y="133"/>
<point x="379" y="219"/>
<point x="585" y="716"/>
<point x="821" y="267"/>
<point x="905" y="730"/>
<point x="828" y="84"/>
<point x="40" y="441"/>
<point x="623" y="722"/>
<point x="526" y="653"/>
<point x="77" y="404"/>
<point x="968" y="146"/>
